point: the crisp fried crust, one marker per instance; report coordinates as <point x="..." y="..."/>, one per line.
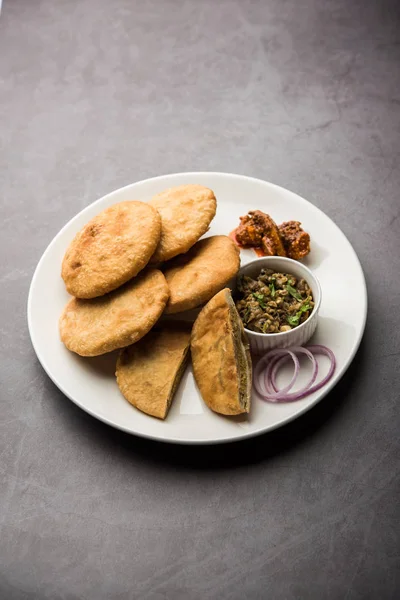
<point x="148" y="372"/>
<point x="221" y="357"/>
<point x="195" y="277"/>
<point x="111" y="249"/>
<point x="186" y="213"/>
<point x="122" y="317"/>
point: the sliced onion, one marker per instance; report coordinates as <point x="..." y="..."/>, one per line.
<point x="267" y="368"/>
<point x="270" y="374"/>
<point x="279" y="363"/>
<point x="281" y="353"/>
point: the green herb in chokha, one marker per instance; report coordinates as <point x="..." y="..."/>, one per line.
<point x="294" y="320"/>
<point x="260" y="299"/>
<point x="273" y="302"/>
<point x="293" y="292"/>
<point x="247" y="314"/>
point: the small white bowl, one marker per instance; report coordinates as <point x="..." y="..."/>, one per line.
<point x="262" y="342"/>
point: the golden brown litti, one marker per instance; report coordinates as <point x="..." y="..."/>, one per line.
<point x="118" y="319"/>
<point x="111" y="249"/>
<point x="196" y="276"/>
<point x="221" y="356"/>
<point x="148" y="372"/>
<point x="186" y="213"/>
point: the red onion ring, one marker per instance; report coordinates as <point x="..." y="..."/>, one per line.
<point x="274" y="359"/>
<point x="267" y="368"/>
<point x="275" y="367"/>
<point x="270" y="373"/>
<point x="258" y="381"/>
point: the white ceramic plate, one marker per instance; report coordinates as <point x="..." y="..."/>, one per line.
<point x="90" y="383"/>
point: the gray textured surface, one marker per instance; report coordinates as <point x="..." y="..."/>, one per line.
<point x="96" y="94"/>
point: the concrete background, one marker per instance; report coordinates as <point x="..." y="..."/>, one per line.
<point x="97" y="94"/>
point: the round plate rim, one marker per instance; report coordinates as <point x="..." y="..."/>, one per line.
<point x="198" y="441"/>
